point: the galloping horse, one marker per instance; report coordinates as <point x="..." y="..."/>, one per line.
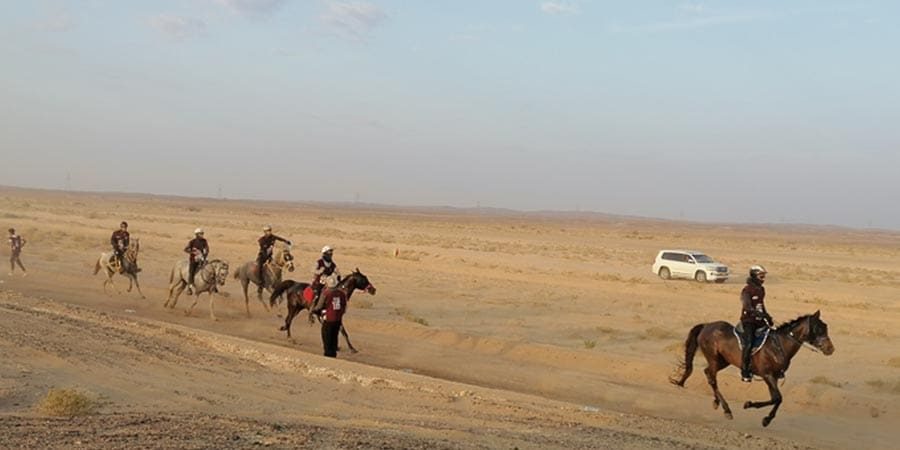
<point x="129" y="267"/>
<point x="212" y="274"/>
<point x="264" y="278"/>
<point x="721" y="349"/>
<point x="296" y="302"/>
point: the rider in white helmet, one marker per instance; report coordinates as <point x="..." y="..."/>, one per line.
<point x="325" y="269"/>
<point x="197" y="250"/>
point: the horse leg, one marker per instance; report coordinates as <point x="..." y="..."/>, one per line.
<point x="178" y="290"/>
<point x="293" y="310"/>
<point x="190" y="309"/>
<point x="772" y="383"/>
<point x="138" y="286"/>
<point x="711" y="370"/>
<point x="259" y="297"/>
<point x="245" y="284"/>
<point x="776" y="398"/>
<point x="212" y="314"/>
<point x="347" y="338"/>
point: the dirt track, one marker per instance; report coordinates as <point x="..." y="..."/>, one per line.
<point x="529" y="342"/>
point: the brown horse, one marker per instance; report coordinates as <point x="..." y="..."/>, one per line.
<point x="721" y="349"/>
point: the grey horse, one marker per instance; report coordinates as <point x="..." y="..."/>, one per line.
<point x="212" y="274"/>
<point x="281" y="260"/>
<point x="129" y="265"/>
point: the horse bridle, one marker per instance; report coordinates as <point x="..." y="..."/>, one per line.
<point x="803" y="343"/>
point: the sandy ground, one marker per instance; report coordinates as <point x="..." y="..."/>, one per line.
<point x="489" y="330"/>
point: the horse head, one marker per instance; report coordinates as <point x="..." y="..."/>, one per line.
<point x="361" y="282"/>
<point x="817" y="334"/>
<point x="286" y="259"/>
<point x="220" y="269"/>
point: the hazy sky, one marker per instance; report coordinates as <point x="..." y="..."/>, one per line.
<point x="762" y="111"/>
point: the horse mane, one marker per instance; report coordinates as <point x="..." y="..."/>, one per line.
<point x="791" y="323"/>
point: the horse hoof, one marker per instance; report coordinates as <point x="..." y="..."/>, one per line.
<point x="715" y="404"/>
<point x="766" y="421"/>
<point x="283" y="328"/>
<point x="747" y="405"/>
<point x="729" y="416"/>
<point x="353" y="351"/>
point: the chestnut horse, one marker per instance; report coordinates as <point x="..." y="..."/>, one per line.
<point x="721" y="349"/>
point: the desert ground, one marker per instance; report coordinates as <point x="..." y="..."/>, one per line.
<point x="490" y="329"/>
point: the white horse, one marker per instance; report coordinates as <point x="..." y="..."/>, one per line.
<point x="129" y="267"/>
<point x="212" y="274"/>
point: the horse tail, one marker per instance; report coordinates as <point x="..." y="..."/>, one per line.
<point x="97" y="267"/>
<point x="686" y="366"/>
<point x="279" y="289"/>
<point x="237" y="272"/>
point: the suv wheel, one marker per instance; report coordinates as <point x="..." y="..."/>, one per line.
<point x="664" y="273"/>
<point x="700" y="276"/>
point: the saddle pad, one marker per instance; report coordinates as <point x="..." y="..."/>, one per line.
<point x="759" y="339"/>
<point x="308" y="295"/>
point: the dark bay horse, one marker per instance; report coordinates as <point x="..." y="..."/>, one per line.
<point x="721" y="349"/>
<point x="296" y="302"/>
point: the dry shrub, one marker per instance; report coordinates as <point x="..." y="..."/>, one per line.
<point x="659" y="333"/>
<point x="589" y="344"/>
<point x="884" y="386"/>
<point x="407" y="314"/>
<point x="363" y="304"/>
<point x="821" y="379"/>
<point x="894" y="362"/>
<point x="67" y="403"/>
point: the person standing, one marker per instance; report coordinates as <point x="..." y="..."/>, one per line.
<point x="335" y="307"/>
<point x="753" y="315"/>
<point x="16" y="243"/>
<point x="197" y="250"/>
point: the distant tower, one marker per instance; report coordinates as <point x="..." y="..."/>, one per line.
<point x="219" y="194"/>
<point x="356" y="197"/>
<point x="68" y="181"/>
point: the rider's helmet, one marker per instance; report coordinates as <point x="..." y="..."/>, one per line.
<point x="124" y="224"/>
<point x="757" y="270"/>
<point x="12" y="231"/>
<point x="198" y="231"/>
<point x="267" y="228"/>
<point x="327" y="249"/>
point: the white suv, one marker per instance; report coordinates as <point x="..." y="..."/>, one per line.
<point x="689" y="264"/>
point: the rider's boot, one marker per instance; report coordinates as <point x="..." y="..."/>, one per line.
<point x="746" y="374"/>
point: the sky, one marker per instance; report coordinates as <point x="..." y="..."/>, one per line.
<point x="724" y="111"/>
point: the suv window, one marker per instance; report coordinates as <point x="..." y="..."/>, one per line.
<point x="669" y="256"/>
<point x="702" y="258"/>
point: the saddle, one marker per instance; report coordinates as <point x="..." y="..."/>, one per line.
<point x="759" y="339"/>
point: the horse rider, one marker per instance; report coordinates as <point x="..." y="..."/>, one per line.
<point x="325" y="269"/>
<point x="753" y="315"/>
<point x="120" y="240"/>
<point x="266" y="245"/>
<point x="16" y="243"/>
<point x="197" y="250"/>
